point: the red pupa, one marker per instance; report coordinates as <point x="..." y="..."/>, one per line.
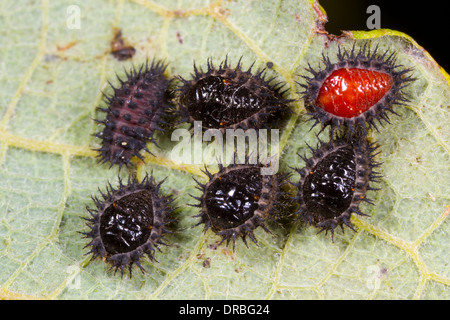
<point x="357" y="91"/>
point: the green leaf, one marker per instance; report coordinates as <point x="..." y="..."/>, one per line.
<point x="52" y="76"/>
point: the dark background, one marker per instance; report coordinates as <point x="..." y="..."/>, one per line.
<point x="427" y="22"/>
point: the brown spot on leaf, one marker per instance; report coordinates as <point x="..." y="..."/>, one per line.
<point x="66" y="47"/>
<point x="179" y="38"/>
<point x="120" y="49"/>
<point x="207" y="262"/>
<point x="228" y="253"/>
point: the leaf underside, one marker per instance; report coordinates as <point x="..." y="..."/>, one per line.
<point x="52" y="77"/>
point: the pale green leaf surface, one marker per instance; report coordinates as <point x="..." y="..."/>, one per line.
<point x="51" y="78"/>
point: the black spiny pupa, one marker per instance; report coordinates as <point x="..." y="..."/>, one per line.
<point x="238" y="199"/>
<point x="136" y="109"/>
<point x="334" y="182"/>
<point x="231" y="98"/>
<point x="128" y="222"/>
